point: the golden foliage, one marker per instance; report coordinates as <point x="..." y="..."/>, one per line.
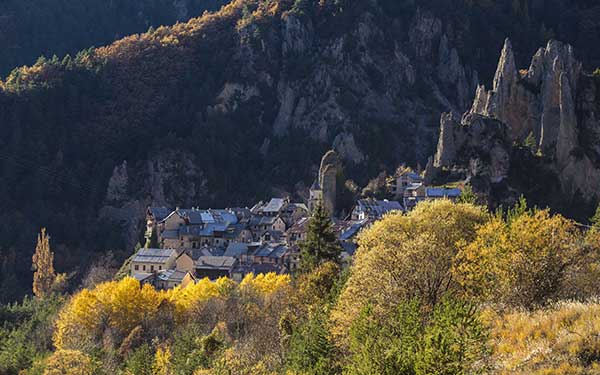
<point x="124" y="305"/>
<point x="185" y="298"/>
<point x="43" y="263"/>
<point x="121" y="305"/>
<point x="69" y="362"/>
<point x="522" y="260"/>
<point x="162" y="362"/>
<point x="264" y="284"/>
<point x="405" y="256"/>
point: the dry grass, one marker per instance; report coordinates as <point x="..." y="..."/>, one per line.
<point x="563" y="339"/>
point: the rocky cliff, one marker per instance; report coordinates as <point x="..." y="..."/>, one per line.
<point x="551" y="108"/>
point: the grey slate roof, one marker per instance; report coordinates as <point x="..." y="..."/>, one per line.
<point x="352" y="230"/>
<point x="171" y="275"/>
<point x="195" y="254"/>
<point x="376" y="208"/>
<point x="271" y="250"/>
<point x="236" y="249"/>
<point x="263" y="220"/>
<point x="274" y="205"/>
<point x="159" y="213"/>
<point x="216" y="263"/>
<point x="153" y="255"/>
<point x="143" y="276"/>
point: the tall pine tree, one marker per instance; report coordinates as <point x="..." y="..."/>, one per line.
<point x="321" y="242"/>
<point x="43" y="264"/>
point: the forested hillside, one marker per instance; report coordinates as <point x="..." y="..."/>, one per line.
<point x="233" y="105"/>
<point x="29" y="28"/>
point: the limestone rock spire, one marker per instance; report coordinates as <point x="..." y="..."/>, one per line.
<point x="506" y="73"/>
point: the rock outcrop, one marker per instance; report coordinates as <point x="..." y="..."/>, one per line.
<point x="553" y="101"/>
<point x="328" y="172"/>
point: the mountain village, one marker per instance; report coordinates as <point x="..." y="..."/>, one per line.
<point x="188" y="244"/>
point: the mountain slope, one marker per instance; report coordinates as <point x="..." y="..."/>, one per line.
<point x="231" y="107"/>
<point x="29" y="28"/>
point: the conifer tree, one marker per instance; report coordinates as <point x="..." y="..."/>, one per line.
<point x="467" y="195"/>
<point x="321" y="242"/>
<point x="43" y="264"/>
<point x="152" y="241"/>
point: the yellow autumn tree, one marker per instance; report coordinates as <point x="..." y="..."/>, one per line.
<point x="69" y="362"/>
<point x="406" y="256"/>
<point x="264" y="284"/>
<point x="521" y="260"/>
<point x="162" y="362"/>
<point x="43" y="265"/>
<point x="121" y="305"/>
<point x="186" y="298"/>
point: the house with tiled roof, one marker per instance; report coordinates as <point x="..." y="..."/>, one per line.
<point x="153" y="260"/>
<point x="403" y="180"/>
<point x="297" y="232"/>
<point x="273" y="253"/>
<point x="169" y="279"/>
<point x="215" y="267"/>
<point x="374" y="209"/>
<point x="186" y="261"/>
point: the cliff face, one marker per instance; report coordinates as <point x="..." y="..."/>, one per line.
<point x="552" y="107"/>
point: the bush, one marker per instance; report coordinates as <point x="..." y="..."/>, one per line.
<point x="406" y="256"/>
<point x="521" y="260"/>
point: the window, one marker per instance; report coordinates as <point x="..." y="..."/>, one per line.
<point x="160" y="267"/>
<point x="152" y="268"/>
<point x="136" y="267"/>
<point x="144" y="267"/>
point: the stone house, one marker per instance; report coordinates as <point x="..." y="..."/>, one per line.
<point x="259" y="224"/>
<point x="169" y="279"/>
<point x="186" y="261"/>
<point x="297" y="231"/>
<point x="374" y="209"/>
<point x="402" y="181"/>
<point x="153" y="260"/>
<point x="419" y="192"/>
<point x="288" y="211"/>
<point x="269" y="253"/>
<point x="215" y="267"/>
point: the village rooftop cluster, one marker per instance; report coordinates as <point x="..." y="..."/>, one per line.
<point x="190" y="244"/>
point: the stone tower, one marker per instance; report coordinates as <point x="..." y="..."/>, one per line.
<point x="325" y="187"/>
